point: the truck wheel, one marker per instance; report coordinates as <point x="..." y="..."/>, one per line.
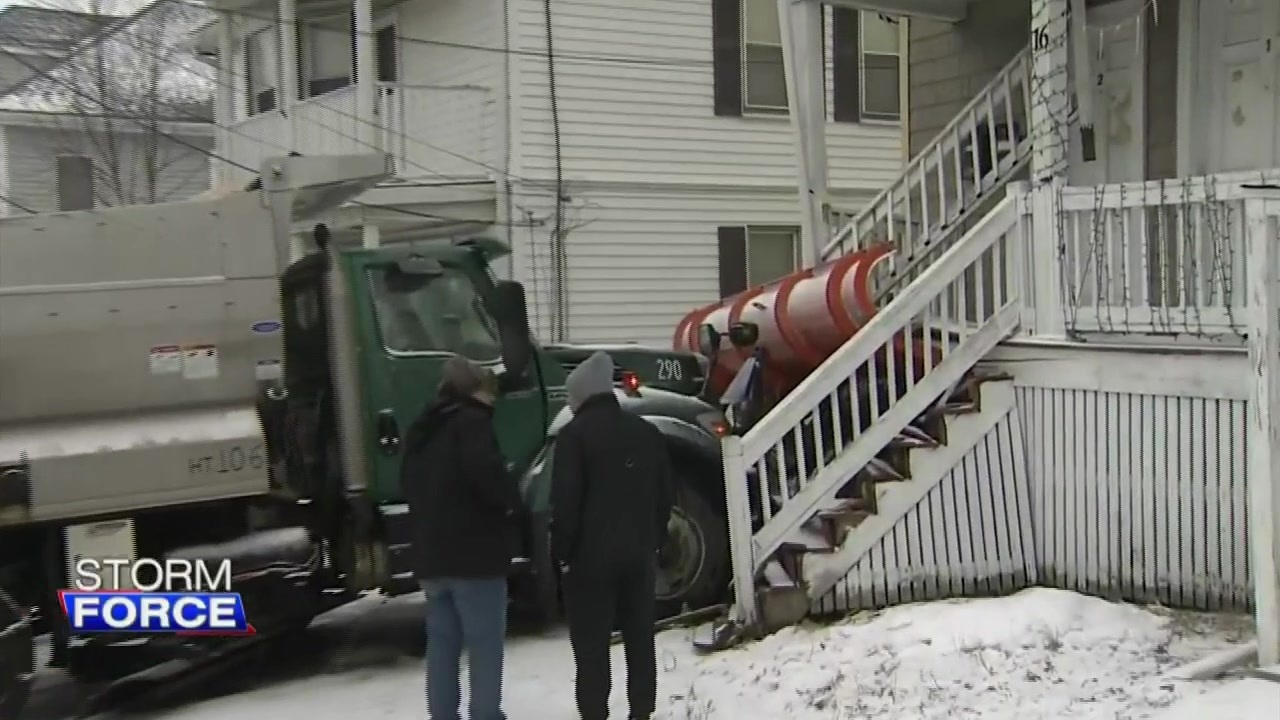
<point x="693" y="564"/>
<point x="544" y="601"/>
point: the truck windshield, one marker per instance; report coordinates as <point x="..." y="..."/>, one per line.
<point x="440" y="312"/>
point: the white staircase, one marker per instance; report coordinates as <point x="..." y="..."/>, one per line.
<point x="952" y="179"/>
<point x="833" y="466"/>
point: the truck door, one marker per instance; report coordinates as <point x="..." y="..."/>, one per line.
<point x="415" y="318"/>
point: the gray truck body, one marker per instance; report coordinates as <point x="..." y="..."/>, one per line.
<point x="134" y="343"/>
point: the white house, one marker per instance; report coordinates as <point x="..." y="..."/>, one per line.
<point x="667" y="143"/>
<point x="1077" y="327"/>
<point x="33" y="39"/>
<point x="84" y="132"/>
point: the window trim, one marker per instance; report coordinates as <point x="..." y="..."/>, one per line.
<point x="305" y="37"/>
<point x="747" y="109"/>
<point x="253" y="105"/>
<point x="871" y="116"/>
<point x="796" y="260"/>
<point x="306" y="63"/>
<point x="744" y="47"/>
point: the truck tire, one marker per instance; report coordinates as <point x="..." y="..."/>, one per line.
<point x="693" y="566"/>
<point x="17" y="657"/>
<point x="544" y="591"/>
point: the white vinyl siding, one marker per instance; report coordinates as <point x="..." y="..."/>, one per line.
<point x="652" y="120"/>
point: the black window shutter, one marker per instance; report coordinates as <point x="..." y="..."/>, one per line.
<point x="726" y="56"/>
<point x="250" y="97"/>
<point x="355" y="57"/>
<point x="733" y="259"/>
<point x="300" y="57"/>
<point x="385" y="50"/>
<point x="844" y="65"/>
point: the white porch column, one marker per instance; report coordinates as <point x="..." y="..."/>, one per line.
<point x="286" y="38"/>
<point x="366" y="78"/>
<point x="801" y="24"/>
<point x="1264" y="420"/>
<point x="224" y="107"/>
<point x="1050" y="89"/>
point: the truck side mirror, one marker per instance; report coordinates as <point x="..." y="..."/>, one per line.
<point x="510" y="312"/>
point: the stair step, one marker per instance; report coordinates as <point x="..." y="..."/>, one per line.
<point x="807" y="539"/>
<point x="776" y="576"/>
<point x="839" y="525"/>
<point x="916" y="435"/>
<point x="960" y="408"/>
<point x="880" y="470"/>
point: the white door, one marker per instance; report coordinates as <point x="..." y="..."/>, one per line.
<point x="1116" y="53"/>
<point x="1238" y="44"/>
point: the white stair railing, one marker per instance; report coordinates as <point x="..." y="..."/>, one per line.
<point x="921" y="344"/>
<point x="981" y="148"/>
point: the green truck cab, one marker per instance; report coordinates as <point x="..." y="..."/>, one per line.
<point x="408" y="307"/>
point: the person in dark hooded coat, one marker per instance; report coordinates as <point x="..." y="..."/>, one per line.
<point x="611" y="500"/>
<point x="464" y="506"/>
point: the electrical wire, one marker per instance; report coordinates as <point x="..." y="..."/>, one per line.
<point x="559" y="328"/>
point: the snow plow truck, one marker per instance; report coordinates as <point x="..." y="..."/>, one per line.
<point x="173" y="384"/>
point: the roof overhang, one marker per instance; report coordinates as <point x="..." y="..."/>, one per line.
<point x="952" y="11"/>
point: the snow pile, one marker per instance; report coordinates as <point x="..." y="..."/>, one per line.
<point x="1041" y="654"/>
<point x="1038" y="654"/>
<point x="141" y="69"/>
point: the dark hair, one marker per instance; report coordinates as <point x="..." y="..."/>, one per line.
<point x="461" y="378"/>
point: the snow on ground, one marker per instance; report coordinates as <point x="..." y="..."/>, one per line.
<point x="1245" y="699"/>
<point x="1038" y="654"/>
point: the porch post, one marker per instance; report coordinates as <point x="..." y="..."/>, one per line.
<point x="741" y="542"/>
<point x="1049" y="131"/>
<point x="1050" y="89"/>
<point x="1264" y="420"/>
<point x="286" y="38"/>
<point x="801" y="24"/>
<point x="366" y="80"/>
<point x="225" y="100"/>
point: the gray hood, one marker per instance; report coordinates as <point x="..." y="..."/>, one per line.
<point x="593" y="377"/>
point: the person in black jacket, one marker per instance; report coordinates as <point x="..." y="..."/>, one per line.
<point x="611" y="499"/>
<point x="464" y="506"/>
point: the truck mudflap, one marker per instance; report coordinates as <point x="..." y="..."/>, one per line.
<point x="17" y="657"/>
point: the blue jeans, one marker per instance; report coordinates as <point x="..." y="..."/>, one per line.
<point x="470" y="614"/>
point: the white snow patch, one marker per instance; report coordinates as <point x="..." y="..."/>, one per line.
<point x="1038" y="654"/>
<point x="1247" y="699"/>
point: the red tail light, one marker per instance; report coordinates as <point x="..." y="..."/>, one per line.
<point x="630" y="382"/>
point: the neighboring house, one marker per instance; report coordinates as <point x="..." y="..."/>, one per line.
<point x="669" y="133"/>
<point x="124" y="118"/>
<point x="34" y="39"/>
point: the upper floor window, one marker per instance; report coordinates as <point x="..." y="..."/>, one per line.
<point x="260" y="71"/>
<point x="881" y="68"/>
<point x="326" y="56"/>
<point x="754" y="255"/>
<point x="765" y="83"/>
<point x="748" y="67"/>
<point x="327" y="50"/>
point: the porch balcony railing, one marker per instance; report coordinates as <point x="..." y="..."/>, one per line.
<point x="434" y="133"/>
<point x="1164" y="257"/>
